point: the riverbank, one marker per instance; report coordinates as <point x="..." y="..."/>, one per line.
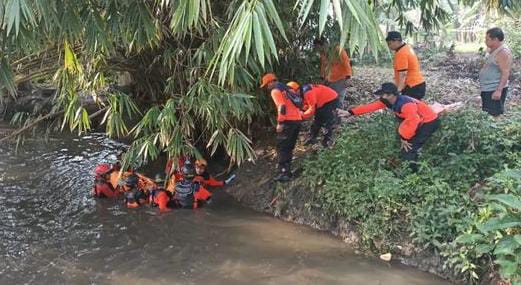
<point x="294" y="202"/>
<point x="362" y="195"/>
<point x="358" y="192"/>
<point x="55" y="232"/>
<point x="318" y="198"/>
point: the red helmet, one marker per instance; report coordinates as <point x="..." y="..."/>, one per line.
<point x="102" y="169"/>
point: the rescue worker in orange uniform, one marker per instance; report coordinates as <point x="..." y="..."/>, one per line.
<point x="134" y="195"/>
<point x="102" y="187"/>
<point x="417" y="120"/>
<point x="188" y="193"/>
<point x="205" y="179"/>
<point x="173" y="175"/>
<point x="321" y="102"/>
<point x="289" y="119"/>
<point x="161" y="198"/>
<point x="335" y="68"/>
<point x="407" y="75"/>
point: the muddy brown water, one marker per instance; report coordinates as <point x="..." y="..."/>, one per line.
<point x="53" y="232"/>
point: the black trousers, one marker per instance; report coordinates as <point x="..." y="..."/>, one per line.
<point x="423" y="133"/>
<point x="325" y="117"/>
<point x="494" y="107"/>
<point x="417" y="92"/>
<point x="286" y="141"/>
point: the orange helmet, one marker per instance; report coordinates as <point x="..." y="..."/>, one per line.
<point x="201" y="162"/>
<point x="102" y="169"/>
<point x="293" y="85"/>
<point x="267" y="79"/>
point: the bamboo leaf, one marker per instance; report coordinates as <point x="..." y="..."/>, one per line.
<point x="266" y="30"/>
<point x="304" y="12"/>
<point x="324" y="4"/>
<point x="259" y="44"/>
<point x="272" y="11"/>
<point x="338" y="12"/>
<point x="13" y="16"/>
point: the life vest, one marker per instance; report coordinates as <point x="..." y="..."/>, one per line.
<point x="185" y="193"/>
<point x="295" y="98"/>
<point x="424" y="111"/>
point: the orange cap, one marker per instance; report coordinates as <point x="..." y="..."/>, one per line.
<point x="268" y="78"/>
<point x="293" y="85"/>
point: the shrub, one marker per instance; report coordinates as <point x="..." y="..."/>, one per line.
<point x="495" y="236"/>
<point x="362" y="180"/>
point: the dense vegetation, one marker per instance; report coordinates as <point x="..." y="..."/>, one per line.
<point x="194" y="65"/>
<point x="464" y="202"/>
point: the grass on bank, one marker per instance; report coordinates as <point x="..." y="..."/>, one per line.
<point x="465" y="202"/>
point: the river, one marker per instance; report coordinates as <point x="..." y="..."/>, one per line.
<point x="53" y="232"/>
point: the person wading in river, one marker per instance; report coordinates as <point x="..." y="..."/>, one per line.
<point x="493" y="77"/>
<point x="407" y="75"/>
<point x="189" y="194"/>
<point x="321" y="102"/>
<point x="102" y="186"/>
<point x="203" y="177"/>
<point x="417" y="120"/>
<point x="161" y="198"/>
<point x="289" y="119"/>
<point x="135" y="196"/>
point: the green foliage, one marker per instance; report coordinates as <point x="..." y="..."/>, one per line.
<point x="119" y="105"/>
<point x="362" y="180"/>
<point x="173" y="47"/>
<point x="494" y="238"/>
<point x="513" y="35"/>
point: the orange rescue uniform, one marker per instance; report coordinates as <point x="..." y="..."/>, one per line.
<point x="316" y="98"/>
<point x="339" y="68"/>
<point x="286" y="110"/>
<point x="412" y="112"/>
<point x="208" y="180"/>
<point x="406" y="60"/>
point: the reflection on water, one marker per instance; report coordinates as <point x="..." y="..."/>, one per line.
<point x="53" y="232"/>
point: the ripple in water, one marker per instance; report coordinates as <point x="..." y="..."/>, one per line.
<point x="53" y="232"/>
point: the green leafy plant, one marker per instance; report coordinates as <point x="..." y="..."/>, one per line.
<point x="362" y="180"/>
<point x="494" y="239"/>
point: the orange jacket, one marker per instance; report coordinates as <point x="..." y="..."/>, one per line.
<point x="207" y="180"/>
<point x="202" y="194"/>
<point x="286" y="110"/>
<point x="316" y="98"/>
<point x="144" y="182"/>
<point x="103" y="189"/>
<point x="339" y="68"/>
<point x="406" y="60"/>
<point x="161" y="198"/>
<point x="412" y="112"/>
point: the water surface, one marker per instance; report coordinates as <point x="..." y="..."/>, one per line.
<point x="53" y="232"/>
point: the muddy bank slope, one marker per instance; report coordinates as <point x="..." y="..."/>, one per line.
<point x="294" y="203"/>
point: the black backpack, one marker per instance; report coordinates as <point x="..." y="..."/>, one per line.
<point x="295" y="98"/>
